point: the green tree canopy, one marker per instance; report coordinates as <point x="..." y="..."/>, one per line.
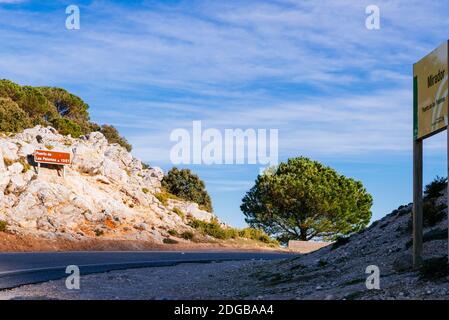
<point x="50" y="106"/>
<point x="303" y="199"/>
<point x="112" y="135"/>
<point x="186" y="185"/>
<point x="67" y="126"/>
<point x="12" y="117"/>
<point x="68" y="105"/>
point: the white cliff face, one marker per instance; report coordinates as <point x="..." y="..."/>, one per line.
<point x="105" y="193"/>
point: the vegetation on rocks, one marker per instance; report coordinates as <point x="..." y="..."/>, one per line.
<point x="12" y="117"/>
<point x="22" y="107"/>
<point x="188" y="186"/>
<point x="179" y="212"/>
<point x="216" y="230"/>
<point x="3" y="226"/>
<point x="164" y="196"/>
<point x="187" y="235"/>
<point x="433" y="212"/>
<point x="113" y="136"/>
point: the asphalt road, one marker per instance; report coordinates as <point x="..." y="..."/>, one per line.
<point x="26" y="268"/>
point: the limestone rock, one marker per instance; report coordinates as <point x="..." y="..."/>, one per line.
<point x="105" y="188"/>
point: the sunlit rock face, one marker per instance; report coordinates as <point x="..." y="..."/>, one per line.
<point x="105" y="192"/>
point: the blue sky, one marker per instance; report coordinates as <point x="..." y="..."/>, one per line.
<point x="337" y="92"/>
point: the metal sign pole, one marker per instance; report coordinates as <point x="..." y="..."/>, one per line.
<point x="417" y="202"/>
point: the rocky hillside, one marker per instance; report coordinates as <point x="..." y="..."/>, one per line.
<point x="338" y="271"/>
<point x="106" y="192"/>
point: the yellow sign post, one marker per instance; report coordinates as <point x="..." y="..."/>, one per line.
<point x="430" y="116"/>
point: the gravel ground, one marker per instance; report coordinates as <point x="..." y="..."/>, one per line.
<point x="184" y="281"/>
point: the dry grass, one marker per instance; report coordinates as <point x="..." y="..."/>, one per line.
<point x="18" y="243"/>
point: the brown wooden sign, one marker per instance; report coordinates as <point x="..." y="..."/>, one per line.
<point x="52" y="157"/>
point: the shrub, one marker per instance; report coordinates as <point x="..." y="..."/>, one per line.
<point x="145" y="190"/>
<point x="12" y="117"/>
<point x="434" y="268"/>
<point x="173" y="232"/>
<point x="98" y="232"/>
<point x="112" y="135"/>
<point x="432" y="213"/>
<point x="179" y="212"/>
<point x="7" y="161"/>
<point x="188" y="186"/>
<point x="164" y="196"/>
<point x="187" y="235"/>
<point x="26" y="166"/>
<point x="433" y="190"/>
<point x="3" y="226"/>
<point x="256" y="234"/>
<point x="231" y="233"/>
<point x="169" y="241"/>
<point x="9" y="89"/>
<point x="212" y="228"/>
<point x="436" y="234"/>
<point x="67" y="126"/>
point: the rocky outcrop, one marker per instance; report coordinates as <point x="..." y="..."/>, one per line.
<point x="106" y="192"/>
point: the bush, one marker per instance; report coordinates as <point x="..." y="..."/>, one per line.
<point x="145" y="190"/>
<point x="188" y="186"/>
<point x="66" y="127"/>
<point x="9" y="89"/>
<point x="112" y="135"/>
<point x="173" y="232"/>
<point x="179" y="212"/>
<point x="169" y="241"/>
<point x="432" y="235"/>
<point x="434" y="268"/>
<point x="12" y="117"/>
<point x="26" y="166"/>
<point x="98" y="232"/>
<point x="432" y="213"/>
<point x="256" y="234"/>
<point x="214" y="229"/>
<point x="3" y="226"/>
<point x="7" y="161"/>
<point x="187" y="235"/>
<point x="435" y="188"/>
<point x="164" y="196"/>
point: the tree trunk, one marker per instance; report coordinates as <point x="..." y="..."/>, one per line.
<point x="303" y="235"/>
